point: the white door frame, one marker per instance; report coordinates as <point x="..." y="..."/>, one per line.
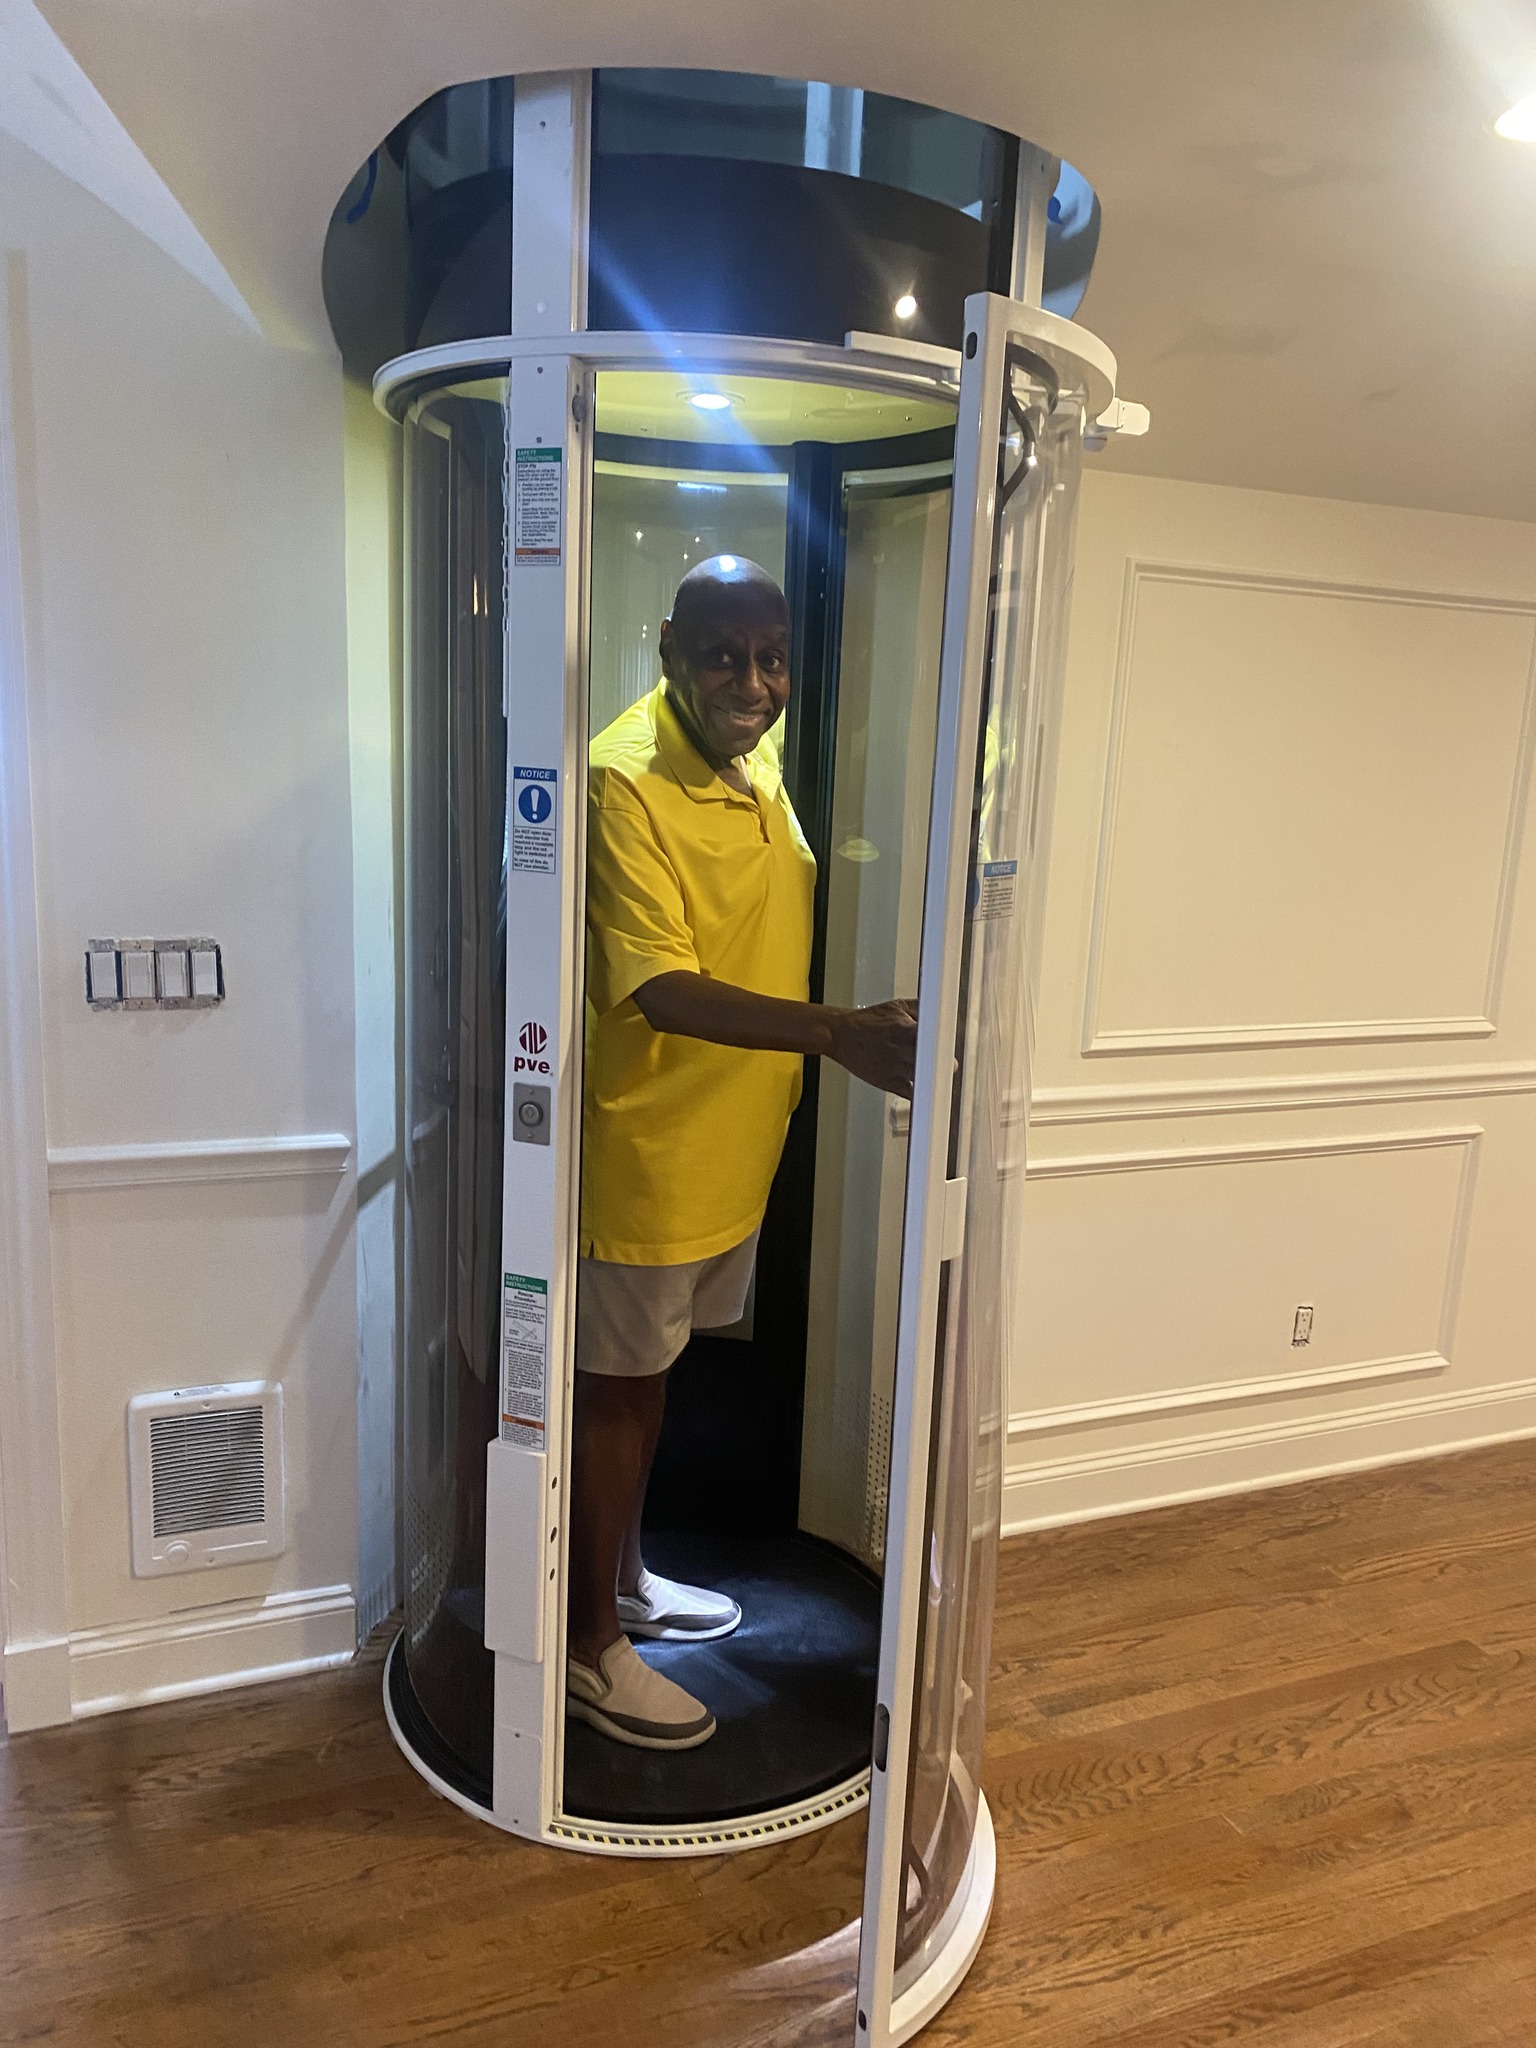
<point x="934" y="1223"/>
<point x="34" y="1592"/>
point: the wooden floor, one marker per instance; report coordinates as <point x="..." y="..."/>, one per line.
<point x="1264" y="1771"/>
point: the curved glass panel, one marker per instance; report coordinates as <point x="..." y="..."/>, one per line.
<point x="725" y="202"/>
<point x="455" y="1014"/>
<point x="1038" y="468"/>
<point x="895" y="524"/>
<point x="772" y="1467"/>
<point x="721" y="202"/>
<point x="762" y="119"/>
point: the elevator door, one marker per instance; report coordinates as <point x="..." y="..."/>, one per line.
<point x="770" y="1474"/>
<point x="894" y="531"/>
<point x="929" y="1874"/>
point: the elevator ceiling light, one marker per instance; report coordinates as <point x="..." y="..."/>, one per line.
<point x="1519" y="124"/>
<point x="1520" y="121"/>
<point x="709" y="401"/>
<point x="905" y="306"/>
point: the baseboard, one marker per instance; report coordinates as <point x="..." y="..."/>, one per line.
<point x="36" y="1684"/>
<point x="211" y="1649"/>
<point x="1049" y="1492"/>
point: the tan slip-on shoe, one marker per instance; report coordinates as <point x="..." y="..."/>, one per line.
<point x="671" y="1612"/>
<point x="628" y="1701"/>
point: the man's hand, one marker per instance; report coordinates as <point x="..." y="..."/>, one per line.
<point x="878" y="1045"/>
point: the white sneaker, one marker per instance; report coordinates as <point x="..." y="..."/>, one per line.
<point x="625" y="1699"/>
<point x="672" y="1613"/>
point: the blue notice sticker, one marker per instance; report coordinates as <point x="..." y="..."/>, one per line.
<point x="534" y="838"/>
<point x="994" y="888"/>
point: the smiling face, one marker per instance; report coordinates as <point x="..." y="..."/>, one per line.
<point x="725" y="655"/>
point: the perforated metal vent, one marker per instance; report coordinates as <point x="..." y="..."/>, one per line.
<point x="877" y="1477"/>
<point x="207" y="1476"/>
<point x="206" y="1470"/>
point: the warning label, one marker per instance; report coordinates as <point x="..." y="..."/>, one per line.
<point x="537" y="478"/>
<point x="524" y="1356"/>
<point x="995" y="887"/>
<point x="532" y="851"/>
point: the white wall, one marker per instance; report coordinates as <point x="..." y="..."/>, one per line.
<point x="179" y="484"/>
<point x="1286" y="1045"/>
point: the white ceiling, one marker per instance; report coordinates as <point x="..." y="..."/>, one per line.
<point x="1318" y="267"/>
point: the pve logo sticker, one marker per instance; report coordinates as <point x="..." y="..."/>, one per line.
<point x="534" y="1040"/>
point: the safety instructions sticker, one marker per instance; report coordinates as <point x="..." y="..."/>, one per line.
<point x="534" y="791"/>
<point x="537" y="483"/>
<point x="995" y="888"/>
<point x="524" y="1358"/>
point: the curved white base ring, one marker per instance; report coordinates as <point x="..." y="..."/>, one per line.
<point x="920" y="2001"/>
<point x="439" y="1785"/>
<point x="603" y="1838"/>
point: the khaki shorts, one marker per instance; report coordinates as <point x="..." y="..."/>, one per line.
<point x="632" y="1321"/>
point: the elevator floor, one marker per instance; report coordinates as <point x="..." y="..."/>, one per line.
<point x="793" y="1690"/>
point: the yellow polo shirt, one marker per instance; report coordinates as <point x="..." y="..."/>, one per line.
<point x="681" y="1138"/>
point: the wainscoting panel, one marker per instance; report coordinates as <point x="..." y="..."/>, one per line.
<point x="1312" y="813"/>
<point x="1201" y="1259"/>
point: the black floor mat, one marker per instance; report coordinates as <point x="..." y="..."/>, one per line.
<point x="793" y="1690"/>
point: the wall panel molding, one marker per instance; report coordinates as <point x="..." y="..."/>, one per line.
<point x="1029" y="1423"/>
<point x="34" y="1592"/>
<point x="1086" y="1486"/>
<point x="1033" y="1422"/>
<point x="1097" y="1041"/>
<point x="240" y="1643"/>
<point x="1054" y="1107"/>
<point x="299" y="1156"/>
<point x="1146" y="1161"/>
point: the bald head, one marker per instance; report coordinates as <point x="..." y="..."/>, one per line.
<point x="726" y="585"/>
<point x="725" y="655"/>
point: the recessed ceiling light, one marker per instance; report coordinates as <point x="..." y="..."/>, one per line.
<point x="1519" y="124"/>
<point x="709" y="401"/>
<point x="905" y="306"/>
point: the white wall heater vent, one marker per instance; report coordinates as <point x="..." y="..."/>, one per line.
<point x="205" y="1467"/>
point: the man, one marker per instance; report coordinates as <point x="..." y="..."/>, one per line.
<point x="699" y="892"/>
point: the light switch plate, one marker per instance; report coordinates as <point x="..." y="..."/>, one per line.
<point x="173" y="977"/>
<point x="154" y="974"/>
<point x="205" y="973"/>
<point x="138" y="971"/>
<point x="101" y="975"/>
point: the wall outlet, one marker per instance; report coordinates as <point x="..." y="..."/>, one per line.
<point x="1301" y="1329"/>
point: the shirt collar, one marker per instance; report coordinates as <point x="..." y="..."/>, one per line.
<point x="694" y="772"/>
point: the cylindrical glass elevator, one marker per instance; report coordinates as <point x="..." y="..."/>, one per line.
<point x="833" y="1459"/>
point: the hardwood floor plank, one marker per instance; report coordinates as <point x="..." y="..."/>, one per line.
<point x="1263" y="1771"/>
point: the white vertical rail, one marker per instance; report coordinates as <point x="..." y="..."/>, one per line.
<point x="1038" y="175"/>
<point x="961" y="677"/>
<point x="544" y="670"/>
<point x="551" y="162"/>
<point x="33" y="1582"/>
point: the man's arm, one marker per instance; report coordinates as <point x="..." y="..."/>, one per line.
<point x="878" y="1044"/>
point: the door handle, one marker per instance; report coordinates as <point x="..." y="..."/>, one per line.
<point x="952" y="1226"/>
